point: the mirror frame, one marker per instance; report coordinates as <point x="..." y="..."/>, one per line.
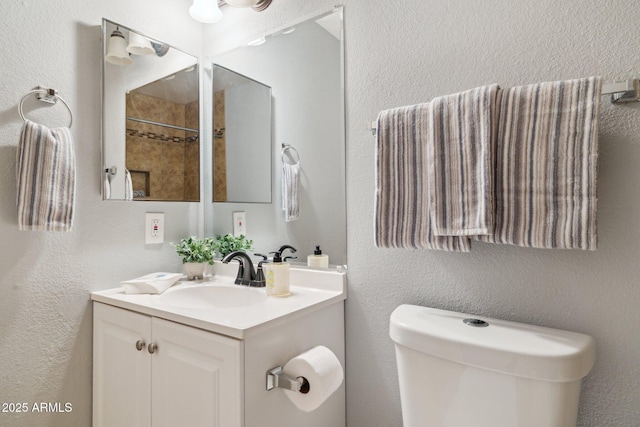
<point x="108" y="171"/>
<point x="268" y="235"/>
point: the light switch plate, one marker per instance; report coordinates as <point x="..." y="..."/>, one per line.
<point x="154" y="228"/>
<point x="239" y="223"/>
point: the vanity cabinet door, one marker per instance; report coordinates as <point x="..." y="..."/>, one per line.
<point x="121" y="368"/>
<point x="149" y="372"/>
<point x="196" y="377"/>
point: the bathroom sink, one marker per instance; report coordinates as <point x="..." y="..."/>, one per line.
<point x="212" y="296"/>
<point x="218" y="305"/>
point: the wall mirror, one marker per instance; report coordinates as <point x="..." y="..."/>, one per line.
<point x="150" y="105"/>
<point x="241" y="138"/>
<point x="303" y="65"/>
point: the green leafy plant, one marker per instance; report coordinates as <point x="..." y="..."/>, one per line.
<point x="230" y="243"/>
<point x="192" y="249"/>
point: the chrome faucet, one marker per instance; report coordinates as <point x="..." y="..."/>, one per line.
<point x="246" y="274"/>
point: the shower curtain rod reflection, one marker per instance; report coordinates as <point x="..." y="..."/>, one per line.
<point x="164" y="125"/>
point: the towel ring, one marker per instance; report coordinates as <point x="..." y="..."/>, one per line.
<point x="283" y="151"/>
<point x="50" y="96"/>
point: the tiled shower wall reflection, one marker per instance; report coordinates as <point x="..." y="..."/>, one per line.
<point x="219" y="149"/>
<point x="164" y="163"/>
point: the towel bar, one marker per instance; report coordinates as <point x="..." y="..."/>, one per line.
<point x="626" y="91"/>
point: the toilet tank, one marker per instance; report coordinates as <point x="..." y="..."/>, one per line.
<point x="458" y="370"/>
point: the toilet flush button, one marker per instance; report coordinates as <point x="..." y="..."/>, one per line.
<point x="476" y="322"/>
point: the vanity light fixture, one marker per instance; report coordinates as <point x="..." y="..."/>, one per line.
<point x="242" y="3"/>
<point x="205" y="11"/>
<point x="160" y="49"/>
<point x="139" y="45"/>
<point x="117" y="51"/>
<point x="257" y="5"/>
<point x="261" y="5"/>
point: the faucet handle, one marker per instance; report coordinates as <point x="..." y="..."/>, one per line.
<point x="289" y="257"/>
<point x="240" y="275"/>
<point x="259" y="281"/>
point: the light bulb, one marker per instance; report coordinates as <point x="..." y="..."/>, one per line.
<point x="139" y="45"/>
<point x="205" y="11"/>
<point x="117" y="49"/>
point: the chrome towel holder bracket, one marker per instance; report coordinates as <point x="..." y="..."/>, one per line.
<point x="626" y="91"/>
<point x="48" y="95"/>
<point x="289" y="151"/>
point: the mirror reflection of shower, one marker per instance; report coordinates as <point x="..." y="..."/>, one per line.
<point x="150" y="118"/>
<point x="163" y="155"/>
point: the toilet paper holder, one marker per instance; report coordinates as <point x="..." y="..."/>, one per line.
<point x="276" y="378"/>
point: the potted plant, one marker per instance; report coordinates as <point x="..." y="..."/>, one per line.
<point x="196" y="254"/>
<point x="228" y="243"/>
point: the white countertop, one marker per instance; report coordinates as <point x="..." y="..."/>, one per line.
<point x="311" y="290"/>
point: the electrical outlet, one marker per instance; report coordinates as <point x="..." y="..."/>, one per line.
<point x="154" y="228"/>
<point x="239" y="223"/>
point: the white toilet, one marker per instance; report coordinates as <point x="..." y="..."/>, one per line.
<point x="456" y="370"/>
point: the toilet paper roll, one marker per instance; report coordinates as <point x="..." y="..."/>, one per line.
<point x="323" y="371"/>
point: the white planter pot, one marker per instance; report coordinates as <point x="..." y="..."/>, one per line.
<point x="194" y="270"/>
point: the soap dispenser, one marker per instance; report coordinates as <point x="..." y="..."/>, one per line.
<point x="318" y="259"/>
<point x="277" y="273"/>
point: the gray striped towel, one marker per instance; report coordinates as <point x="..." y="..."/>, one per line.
<point x="401" y="200"/>
<point x="45" y="175"/>
<point x="460" y="162"/>
<point x="546" y="159"/>
<point x="290" y="193"/>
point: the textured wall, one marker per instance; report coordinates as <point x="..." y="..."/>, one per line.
<point x="400" y="53"/>
<point x="397" y="53"/>
<point x="423" y="49"/>
<point x="46" y="278"/>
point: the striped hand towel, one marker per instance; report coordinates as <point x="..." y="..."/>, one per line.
<point x="460" y="162"/>
<point x="290" y="194"/>
<point x="401" y="198"/>
<point x="546" y="158"/>
<point x="45" y="175"/>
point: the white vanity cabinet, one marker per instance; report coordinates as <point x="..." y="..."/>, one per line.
<point x="212" y="344"/>
<point x="153" y="372"/>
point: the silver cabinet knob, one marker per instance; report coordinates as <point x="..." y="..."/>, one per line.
<point x="140" y="345"/>
<point x="152" y="348"/>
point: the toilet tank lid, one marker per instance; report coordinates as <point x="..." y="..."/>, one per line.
<point x="512" y="348"/>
